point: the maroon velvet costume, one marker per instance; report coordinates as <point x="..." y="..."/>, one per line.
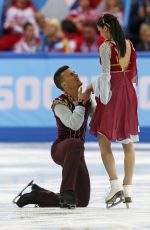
<point x="68" y="151"/>
<point x="118" y="119"/>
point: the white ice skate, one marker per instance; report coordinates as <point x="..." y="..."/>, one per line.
<point x="116" y="192"/>
<point x="127" y="190"/>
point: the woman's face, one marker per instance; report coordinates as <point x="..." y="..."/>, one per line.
<point x="104" y="32"/>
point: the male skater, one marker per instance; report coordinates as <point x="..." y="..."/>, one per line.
<point x="71" y="111"/>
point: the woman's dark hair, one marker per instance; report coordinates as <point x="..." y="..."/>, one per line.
<point x="116" y="31"/>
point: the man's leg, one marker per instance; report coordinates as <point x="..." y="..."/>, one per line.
<point x="67" y="154"/>
<point x="48" y="199"/>
<point x="39" y="196"/>
<point x="83" y="185"/>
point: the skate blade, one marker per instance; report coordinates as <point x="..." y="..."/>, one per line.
<point x="69" y="206"/>
<point x="127" y="205"/>
<point x="127" y="201"/>
<point x="114" y="203"/>
<point x="111" y="203"/>
<point x="20" y="193"/>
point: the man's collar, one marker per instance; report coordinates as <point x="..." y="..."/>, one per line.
<point x="70" y="98"/>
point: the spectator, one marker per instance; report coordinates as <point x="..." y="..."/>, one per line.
<point x="95" y="3"/>
<point x="138" y="16"/>
<point x="41" y="22"/>
<point x="19" y="13"/>
<point x="85" y="11"/>
<point x="54" y="40"/>
<point x="144" y="10"/>
<point x="75" y="18"/>
<point x="144" y="44"/>
<point x="71" y="32"/>
<point x="112" y="7"/>
<point x="28" y="43"/>
<point x="90" y="40"/>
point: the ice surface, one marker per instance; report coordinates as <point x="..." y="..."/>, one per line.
<point x="20" y="163"/>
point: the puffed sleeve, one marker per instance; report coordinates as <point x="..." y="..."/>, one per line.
<point x="102" y="86"/>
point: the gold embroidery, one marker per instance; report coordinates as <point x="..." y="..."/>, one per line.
<point x="126" y="71"/>
<point x="118" y="64"/>
<point x="63" y="101"/>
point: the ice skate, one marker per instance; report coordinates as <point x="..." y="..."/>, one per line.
<point x="68" y="200"/>
<point x="115" y="195"/>
<point x="127" y="194"/>
<point x="27" y="198"/>
<point x="20" y="193"/>
<point x="35" y="187"/>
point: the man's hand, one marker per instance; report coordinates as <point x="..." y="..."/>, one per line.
<point x="89" y="89"/>
<point x="83" y="96"/>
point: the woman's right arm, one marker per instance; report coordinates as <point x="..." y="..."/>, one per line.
<point x="101" y="86"/>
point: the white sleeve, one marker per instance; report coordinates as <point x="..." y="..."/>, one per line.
<point x="10" y="16"/>
<point x="72" y="120"/>
<point x="101" y="85"/>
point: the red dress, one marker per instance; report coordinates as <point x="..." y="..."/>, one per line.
<point x="118" y="119"/>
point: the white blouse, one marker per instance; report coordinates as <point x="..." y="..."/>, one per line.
<point x="102" y="86"/>
<point x="75" y="119"/>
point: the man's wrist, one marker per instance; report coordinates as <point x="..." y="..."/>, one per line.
<point x="81" y="103"/>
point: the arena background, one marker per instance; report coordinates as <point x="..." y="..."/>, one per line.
<point x="27" y="89"/>
<point x="26" y="94"/>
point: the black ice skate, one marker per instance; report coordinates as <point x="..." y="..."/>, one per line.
<point x="27" y="198"/>
<point x="35" y="187"/>
<point x="20" y="193"/>
<point x="68" y="200"/>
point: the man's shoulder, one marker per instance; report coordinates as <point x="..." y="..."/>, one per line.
<point x="62" y="99"/>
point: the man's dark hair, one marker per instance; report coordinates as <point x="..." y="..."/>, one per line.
<point x="58" y="78"/>
<point x="68" y="26"/>
<point x="26" y="25"/>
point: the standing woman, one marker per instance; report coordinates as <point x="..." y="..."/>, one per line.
<point x="115" y="117"/>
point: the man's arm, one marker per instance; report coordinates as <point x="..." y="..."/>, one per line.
<point x="72" y="120"/>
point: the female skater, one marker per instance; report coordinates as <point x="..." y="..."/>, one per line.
<point x="115" y="117"/>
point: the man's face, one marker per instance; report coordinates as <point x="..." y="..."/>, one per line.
<point x="29" y="32"/>
<point x="50" y="30"/>
<point x="71" y="80"/>
<point x="89" y="33"/>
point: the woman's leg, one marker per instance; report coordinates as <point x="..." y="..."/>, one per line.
<point x="129" y="162"/>
<point x="107" y="157"/>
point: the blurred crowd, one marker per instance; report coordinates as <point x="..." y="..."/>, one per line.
<point x="27" y="30"/>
